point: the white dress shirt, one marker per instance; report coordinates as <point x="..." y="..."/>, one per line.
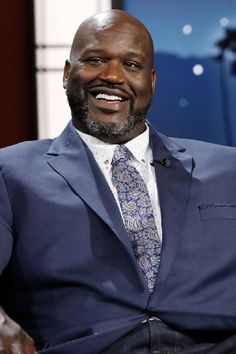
<point x="141" y="150"/>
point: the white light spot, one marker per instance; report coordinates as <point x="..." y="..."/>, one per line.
<point x="198" y="69"/>
<point x="224" y="21"/>
<point x="187" y="29"/>
<point x="183" y="102"/>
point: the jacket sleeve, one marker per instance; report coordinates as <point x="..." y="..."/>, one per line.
<point x="6" y="235"/>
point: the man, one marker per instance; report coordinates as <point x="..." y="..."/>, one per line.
<point x="114" y="238"/>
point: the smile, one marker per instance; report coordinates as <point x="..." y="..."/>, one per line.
<point x="108" y="101"/>
<point x="106" y="97"/>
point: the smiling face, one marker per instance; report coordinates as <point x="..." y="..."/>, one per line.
<point x="110" y="80"/>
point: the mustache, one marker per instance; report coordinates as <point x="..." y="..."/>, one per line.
<point x="116" y="87"/>
<point x="104" y="85"/>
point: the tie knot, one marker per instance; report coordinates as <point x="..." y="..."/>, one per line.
<point x="120" y="153"/>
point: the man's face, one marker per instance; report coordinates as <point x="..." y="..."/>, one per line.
<point x="110" y="80"/>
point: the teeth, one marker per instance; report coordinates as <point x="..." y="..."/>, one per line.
<point x="103" y="96"/>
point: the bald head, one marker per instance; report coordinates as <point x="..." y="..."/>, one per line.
<point x="111" y="21"/>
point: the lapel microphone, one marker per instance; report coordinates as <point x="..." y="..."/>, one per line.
<point x="164" y="162"/>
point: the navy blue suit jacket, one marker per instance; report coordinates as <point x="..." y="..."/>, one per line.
<point x="69" y="275"/>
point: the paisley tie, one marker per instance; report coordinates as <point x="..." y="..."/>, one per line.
<point x="137" y="213"/>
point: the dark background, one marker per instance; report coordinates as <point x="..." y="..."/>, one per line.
<point x="18" y="119"/>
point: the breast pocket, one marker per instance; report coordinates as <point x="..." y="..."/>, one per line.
<point x="217" y="211"/>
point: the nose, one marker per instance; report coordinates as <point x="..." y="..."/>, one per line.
<point x="113" y="73"/>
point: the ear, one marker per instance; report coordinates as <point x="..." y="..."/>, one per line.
<point x="66" y="73"/>
<point x="154" y="78"/>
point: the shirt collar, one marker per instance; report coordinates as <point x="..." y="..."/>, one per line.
<point x="140" y="147"/>
<point x="103" y="152"/>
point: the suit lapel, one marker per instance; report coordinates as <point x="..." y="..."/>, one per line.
<point x="70" y="158"/>
<point x="173" y="168"/>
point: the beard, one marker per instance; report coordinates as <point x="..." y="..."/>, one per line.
<point x="99" y="129"/>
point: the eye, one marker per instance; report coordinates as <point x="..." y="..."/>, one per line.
<point x="133" y="65"/>
<point x="95" y="60"/>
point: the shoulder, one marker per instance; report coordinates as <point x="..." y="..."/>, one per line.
<point x="203" y="153"/>
<point x="211" y="160"/>
<point x="24" y="153"/>
<point x="198" y="145"/>
<point x="196" y="148"/>
<point x="26" y="148"/>
<point x="205" y="150"/>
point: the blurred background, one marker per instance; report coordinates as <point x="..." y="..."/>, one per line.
<point x="195" y="56"/>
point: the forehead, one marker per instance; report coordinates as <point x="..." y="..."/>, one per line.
<point x="114" y="36"/>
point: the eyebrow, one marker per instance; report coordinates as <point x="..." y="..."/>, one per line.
<point x="102" y="50"/>
<point x="135" y="54"/>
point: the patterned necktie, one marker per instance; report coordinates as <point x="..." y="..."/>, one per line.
<point x="137" y="213"/>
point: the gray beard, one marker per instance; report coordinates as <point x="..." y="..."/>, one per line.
<point x="99" y="129"/>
